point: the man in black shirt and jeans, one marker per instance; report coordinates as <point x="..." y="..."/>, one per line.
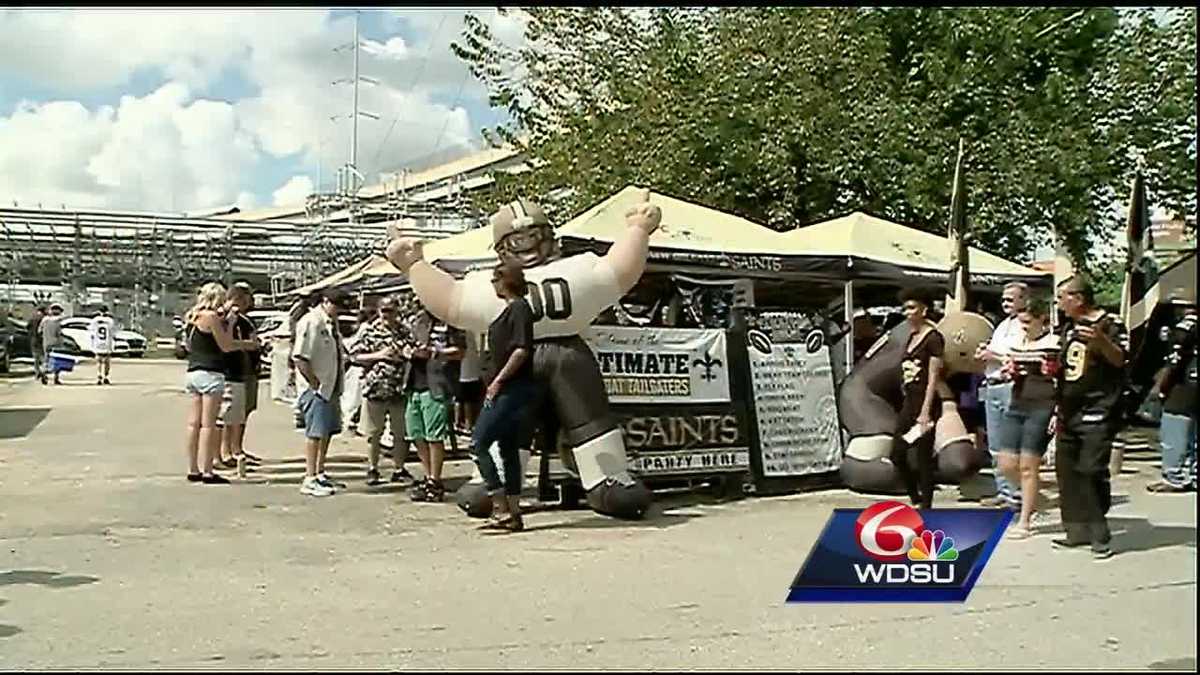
<point x="1090" y="376"/>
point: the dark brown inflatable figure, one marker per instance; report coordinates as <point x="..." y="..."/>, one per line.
<point x="869" y="404"/>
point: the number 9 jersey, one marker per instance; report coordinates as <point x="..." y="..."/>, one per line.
<point x="566" y="295"/>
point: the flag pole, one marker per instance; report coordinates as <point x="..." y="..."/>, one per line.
<point x="957" y="233"/>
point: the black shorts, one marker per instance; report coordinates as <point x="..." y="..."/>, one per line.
<point x="569" y="377"/>
<point x="469" y="392"/>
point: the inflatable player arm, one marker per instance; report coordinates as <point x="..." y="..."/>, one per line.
<point x="439" y="292"/>
<point x="627" y="256"/>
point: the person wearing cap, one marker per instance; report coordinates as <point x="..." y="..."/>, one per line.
<point x="566" y="293"/>
<point x="998" y="387"/>
<point x="382" y="350"/>
<point x="319" y="356"/>
<point x="51" y="331"/>
<point x="102" y="331"/>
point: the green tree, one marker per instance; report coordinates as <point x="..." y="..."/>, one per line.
<point x="788" y="116"/>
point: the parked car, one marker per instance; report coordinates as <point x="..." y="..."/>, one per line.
<point x="6" y="349"/>
<point x="77" y="339"/>
<point x="19" y="345"/>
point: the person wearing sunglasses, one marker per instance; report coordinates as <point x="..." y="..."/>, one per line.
<point x="998" y="388"/>
<point x="508" y="398"/>
<point x="383" y="351"/>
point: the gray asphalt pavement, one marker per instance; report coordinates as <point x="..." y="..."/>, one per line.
<point x="110" y="559"/>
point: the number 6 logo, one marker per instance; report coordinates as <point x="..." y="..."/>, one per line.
<point x="885" y="530"/>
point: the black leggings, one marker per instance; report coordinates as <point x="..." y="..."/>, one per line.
<point x="919" y="487"/>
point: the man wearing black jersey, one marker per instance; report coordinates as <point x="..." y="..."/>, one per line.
<point x="1176" y="386"/>
<point x="1090" y="376"/>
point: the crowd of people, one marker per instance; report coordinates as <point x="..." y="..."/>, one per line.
<point x="1040" y="384"/>
<point x="405" y="370"/>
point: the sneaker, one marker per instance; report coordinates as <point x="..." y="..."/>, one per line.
<point x="312" y="488"/>
<point x="107" y="381"/>
<point x="373" y="477"/>
<point x="99" y="380"/>
<point x="1067" y="543"/>
<point x="195" y="477"/>
<point x="1102" y="551"/>
<point x="324" y="479"/>
<point x="215" y="480"/>
<point x="994" y="501"/>
<point x="402" y="475"/>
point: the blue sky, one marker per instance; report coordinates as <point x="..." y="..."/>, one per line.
<point x="191" y="109"/>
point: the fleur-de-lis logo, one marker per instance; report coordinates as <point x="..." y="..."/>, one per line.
<point x="708" y="363"/>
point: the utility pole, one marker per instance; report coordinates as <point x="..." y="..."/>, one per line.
<point x="353" y="179"/>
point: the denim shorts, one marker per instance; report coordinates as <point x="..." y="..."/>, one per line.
<point x="1024" y="430"/>
<point x="204" y="383"/>
<point x="322" y="418"/>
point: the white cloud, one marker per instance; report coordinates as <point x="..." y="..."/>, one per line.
<point x="395" y="48"/>
<point x="178" y="147"/>
<point x="295" y="191"/>
<point x="164" y="151"/>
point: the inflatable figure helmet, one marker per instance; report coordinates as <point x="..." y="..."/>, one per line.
<point x="522" y="233"/>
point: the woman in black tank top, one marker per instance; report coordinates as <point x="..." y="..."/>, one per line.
<point x="209" y="336"/>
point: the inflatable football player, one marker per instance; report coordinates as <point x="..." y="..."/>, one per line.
<point x="869" y="401"/>
<point x="566" y="294"/>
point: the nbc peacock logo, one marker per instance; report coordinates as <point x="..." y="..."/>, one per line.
<point x="933" y="545"/>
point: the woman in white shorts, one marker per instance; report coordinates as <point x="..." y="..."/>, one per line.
<point x="208" y="335"/>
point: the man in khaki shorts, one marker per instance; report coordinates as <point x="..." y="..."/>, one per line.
<point x="383" y="351"/>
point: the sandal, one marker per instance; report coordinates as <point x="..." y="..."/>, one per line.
<point x="1165" y="487"/>
<point x="508" y="522"/>
<point x="1018" y="532"/>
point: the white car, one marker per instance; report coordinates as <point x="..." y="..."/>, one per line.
<point x="77" y="339"/>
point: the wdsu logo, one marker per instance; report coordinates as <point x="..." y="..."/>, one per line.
<point x="890" y="552"/>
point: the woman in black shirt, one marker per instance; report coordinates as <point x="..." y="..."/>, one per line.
<point x="921" y="372"/>
<point x="1024" y="432"/>
<point x="510" y="339"/>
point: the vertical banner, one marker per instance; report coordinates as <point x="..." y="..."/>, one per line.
<point x="794" y="399"/>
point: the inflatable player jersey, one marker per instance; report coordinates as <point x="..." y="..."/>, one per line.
<point x="869" y="403"/>
<point x="566" y="294"/>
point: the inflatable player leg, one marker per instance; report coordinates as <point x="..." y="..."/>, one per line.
<point x="604" y="473"/>
<point x="957" y="457"/>
<point x="867" y="468"/>
<point x="575" y="386"/>
<point x="472" y="497"/>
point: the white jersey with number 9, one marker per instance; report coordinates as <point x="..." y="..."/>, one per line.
<point x="102" y="329"/>
<point x="565" y="294"/>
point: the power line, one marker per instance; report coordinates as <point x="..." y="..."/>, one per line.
<point x="421" y="71"/>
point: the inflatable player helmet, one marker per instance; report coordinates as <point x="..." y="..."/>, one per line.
<point x="522" y="233"/>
